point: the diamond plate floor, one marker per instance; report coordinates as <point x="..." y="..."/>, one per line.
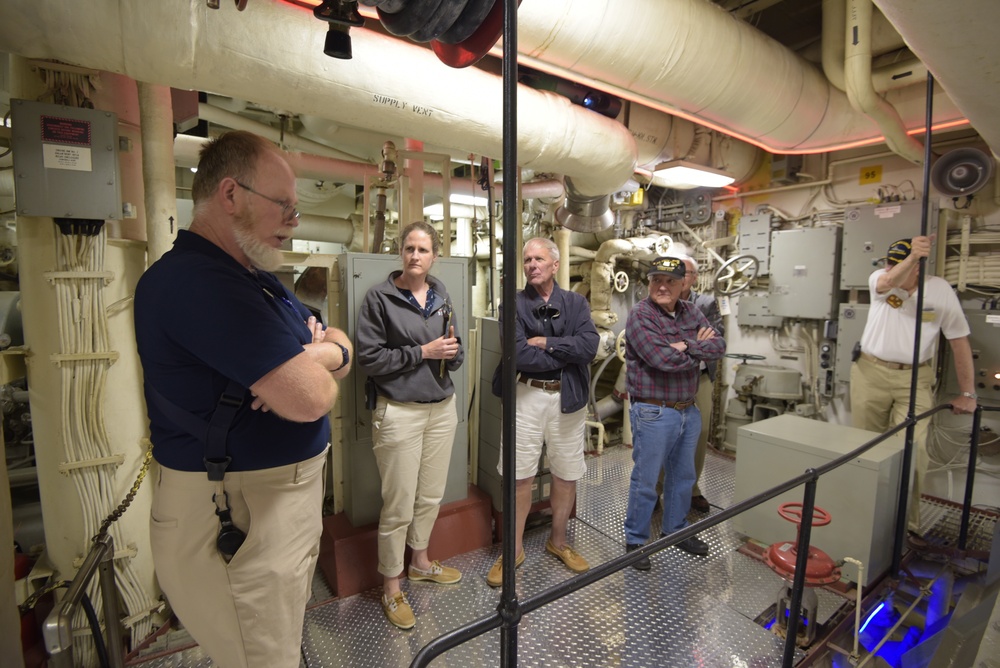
<point x="686" y="611"/>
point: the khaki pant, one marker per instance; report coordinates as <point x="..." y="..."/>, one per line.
<point x="880" y="398"/>
<point x="704" y="401"/>
<point x="412" y="444"/>
<point x="248" y="612"/>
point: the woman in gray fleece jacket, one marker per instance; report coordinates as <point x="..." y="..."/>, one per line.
<point x="406" y="344"/>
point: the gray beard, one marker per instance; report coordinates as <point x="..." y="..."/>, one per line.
<point x="260" y="254"/>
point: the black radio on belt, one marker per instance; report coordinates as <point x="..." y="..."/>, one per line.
<point x="231" y="537"/>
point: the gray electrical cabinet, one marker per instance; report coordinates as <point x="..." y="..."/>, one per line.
<point x="985" y="340"/>
<point x="804" y="266"/>
<point x="850" y="327"/>
<point x="868" y="232"/>
<point x="65" y="161"/>
<point x="755" y="239"/>
<point x="362" y="484"/>
<point x="490" y="424"/>
<point x="752" y="310"/>
<point x="860" y="495"/>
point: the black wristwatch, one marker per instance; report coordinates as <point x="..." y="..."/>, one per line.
<point x="346" y="354"/>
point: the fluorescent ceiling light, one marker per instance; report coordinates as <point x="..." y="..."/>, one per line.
<point x="683" y="175"/>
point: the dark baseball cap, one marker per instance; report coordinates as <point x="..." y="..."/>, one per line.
<point x="671" y="266"/>
<point x="898" y="251"/>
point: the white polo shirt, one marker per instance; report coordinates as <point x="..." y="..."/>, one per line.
<point x="889" y="332"/>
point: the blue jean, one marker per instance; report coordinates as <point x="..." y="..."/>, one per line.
<point x="662" y="438"/>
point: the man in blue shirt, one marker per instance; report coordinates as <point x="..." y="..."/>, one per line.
<point x="666" y="340"/>
<point x="239" y="380"/>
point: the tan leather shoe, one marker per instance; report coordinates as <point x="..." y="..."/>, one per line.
<point x="398" y="610"/>
<point x="573" y="560"/>
<point x="495" y="577"/>
<point x="438" y="573"/>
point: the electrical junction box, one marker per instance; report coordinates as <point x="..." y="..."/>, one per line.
<point x="860" y="495"/>
<point x="804" y="265"/>
<point x="65" y="161"/>
<point x="753" y="311"/>
<point x="362" y="483"/>
<point x="868" y="232"/>
<point x="984" y="337"/>
<point x="850" y="327"/>
<point x="755" y="239"/>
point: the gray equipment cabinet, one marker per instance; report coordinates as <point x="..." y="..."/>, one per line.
<point x="362" y="484"/>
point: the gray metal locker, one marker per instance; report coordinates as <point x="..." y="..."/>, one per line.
<point x="362" y="485"/>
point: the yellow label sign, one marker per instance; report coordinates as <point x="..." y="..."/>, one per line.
<point x="871" y="174"/>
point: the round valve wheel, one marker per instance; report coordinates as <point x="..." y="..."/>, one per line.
<point x="782" y="557"/>
<point x="663" y="244"/>
<point x="792" y="512"/>
<point x="745" y="357"/>
<point x="621" y="281"/>
<point x="620" y="345"/>
<point x="736" y="274"/>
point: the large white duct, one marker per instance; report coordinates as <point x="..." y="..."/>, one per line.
<point x="858" y="83"/>
<point x="692" y="58"/>
<point x="958" y="43"/>
<point x="273" y="54"/>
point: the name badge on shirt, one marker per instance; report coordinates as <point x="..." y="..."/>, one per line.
<point x="929" y="316"/>
<point x="894" y="301"/>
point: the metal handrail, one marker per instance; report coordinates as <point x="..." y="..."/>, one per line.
<point x="509" y="616"/>
<point x="58" y="627"/>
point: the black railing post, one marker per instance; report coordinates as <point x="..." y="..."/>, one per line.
<point x="970" y="476"/>
<point x="801" y="563"/>
<point x="904" y="486"/>
<point x="508" y="606"/>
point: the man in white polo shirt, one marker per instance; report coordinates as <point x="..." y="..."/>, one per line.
<point x="880" y="378"/>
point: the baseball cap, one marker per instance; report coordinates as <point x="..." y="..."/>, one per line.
<point x="898" y="251"/>
<point x="671" y="266"/>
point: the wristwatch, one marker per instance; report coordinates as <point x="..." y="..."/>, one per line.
<point x="346" y="354"/>
<point x="971" y="395"/>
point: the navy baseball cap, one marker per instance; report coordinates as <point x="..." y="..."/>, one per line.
<point x="671" y="266"/>
<point x="898" y="251"/>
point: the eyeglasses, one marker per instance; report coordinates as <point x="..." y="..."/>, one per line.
<point x="288" y="212"/>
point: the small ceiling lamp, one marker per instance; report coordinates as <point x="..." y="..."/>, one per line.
<point x="684" y="175"/>
<point x="340" y="15"/>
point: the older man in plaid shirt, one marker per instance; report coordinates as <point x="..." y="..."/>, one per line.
<point x="666" y="340"/>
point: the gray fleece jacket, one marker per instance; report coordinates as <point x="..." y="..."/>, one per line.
<point x="389" y="335"/>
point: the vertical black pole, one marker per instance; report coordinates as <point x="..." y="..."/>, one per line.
<point x="801" y="562"/>
<point x="904" y="482"/>
<point x="970" y="477"/>
<point x="508" y="596"/>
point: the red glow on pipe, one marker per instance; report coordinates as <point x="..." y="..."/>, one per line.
<point x="497" y="50"/>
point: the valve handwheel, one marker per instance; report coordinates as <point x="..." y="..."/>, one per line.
<point x="745" y="356"/>
<point x="735" y="275"/>
<point x="792" y="511"/>
<point x="663" y="244"/>
<point x="621" y="281"/>
<point x="782" y="557"/>
<point x="620" y="345"/>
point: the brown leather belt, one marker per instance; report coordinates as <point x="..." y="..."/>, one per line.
<point x="548" y="385"/>
<point x="890" y="365"/>
<point x="676" y="405"/>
